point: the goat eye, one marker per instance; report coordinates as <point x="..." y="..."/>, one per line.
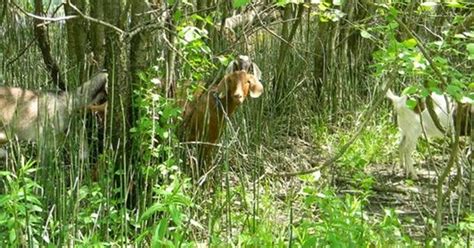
<point x="248" y="81"/>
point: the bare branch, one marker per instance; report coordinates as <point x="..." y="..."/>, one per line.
<point x="122" y="32"/>
<point x="421" y="46"/>
<point x="43" y="18"/>
<point x="8" y="63"/>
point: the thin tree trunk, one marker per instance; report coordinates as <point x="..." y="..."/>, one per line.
<point x="140" y="43"/>
<point x="440" y="196"/>
<point x="4" y="11"/>
<point x="288" y="35"/>
<point x="170" y="53"/>
<point x="321" y="55"/>
<point x="97" y="35"/>
<point x="119" y="88"/>
<point x="119" y="96"/>
<point x="43" y="43"/>
<point x="77" y="38"/>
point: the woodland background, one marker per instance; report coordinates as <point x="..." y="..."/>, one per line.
<point x="311" y="163"/>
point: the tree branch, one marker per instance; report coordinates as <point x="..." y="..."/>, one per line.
<point x="429" y="101"/>
<point x="9" y="62"/>
<point x="43" y="18"/>
<point x="441" y="197"/>
<point x="120" y="31"/>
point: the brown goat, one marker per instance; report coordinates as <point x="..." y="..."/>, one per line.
<point x="205" y="117"/>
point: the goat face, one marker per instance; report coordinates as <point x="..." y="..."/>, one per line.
<point x="244" y="63"/>
<point x="235" y="87"/>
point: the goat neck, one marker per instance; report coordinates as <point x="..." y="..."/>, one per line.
<point x="225" y="105"/>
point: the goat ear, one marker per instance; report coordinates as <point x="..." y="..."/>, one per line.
<point x="256" y="72"/>
<point x="256" y="88"/>
<point x="222" y="87"/>
<point x="231" y="67"/>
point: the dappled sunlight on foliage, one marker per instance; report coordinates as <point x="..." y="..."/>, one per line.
<point x="311" y="161"/>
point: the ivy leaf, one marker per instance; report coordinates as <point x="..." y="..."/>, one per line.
<point x="239" y="3"/>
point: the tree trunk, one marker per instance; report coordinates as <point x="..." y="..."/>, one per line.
<point x="170" y="53"/>
<point x="97" y="35"/>
<point x="119" y="93"/>
<point x="76" y="38"/>
<point x="321" y="55"/>
<point x="288" y="36"/>
<point x="140" y="43"/>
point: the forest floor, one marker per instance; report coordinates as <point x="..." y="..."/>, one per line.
<point x="413" y="201"/>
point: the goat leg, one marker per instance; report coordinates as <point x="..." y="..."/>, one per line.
<point x="406" y="149"/>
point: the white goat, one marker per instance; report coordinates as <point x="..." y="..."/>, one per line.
<point x="412" y="125"/>
<point x="27" y="114"/>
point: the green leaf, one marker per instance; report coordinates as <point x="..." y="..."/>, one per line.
<point x="239" y="3"/>
<point x="4" y="199"/>
<point x="393" y="11"/>
<point x="151" y="210"/>
<point x="365" y="34"/>
<point x="177" y="15"/>
<point x="393" y="25"/>
<point x="429" y="4"/>
<point x="455" y="4"/>
<point x="160" y="232"/>
<point x="471" y="86"/>
<point x="411" y="103"/>
<point x="310" y="242"/>
<point x="181" y="200"/>
<point x="470" y="50"/>
<point x="12" y="236"/>
<point x="454" y="91"/>
<point x="176" y="215"/>
<point x="282" y="3"/>
<point x="424" y="92"/>
<point x="5" y="173"/>
<point x="410" y="43"/>
<point x="163" y="228"/>
<point x="410" y="90"/>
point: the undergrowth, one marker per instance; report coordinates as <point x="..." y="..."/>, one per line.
<point x="244" y="210"/>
